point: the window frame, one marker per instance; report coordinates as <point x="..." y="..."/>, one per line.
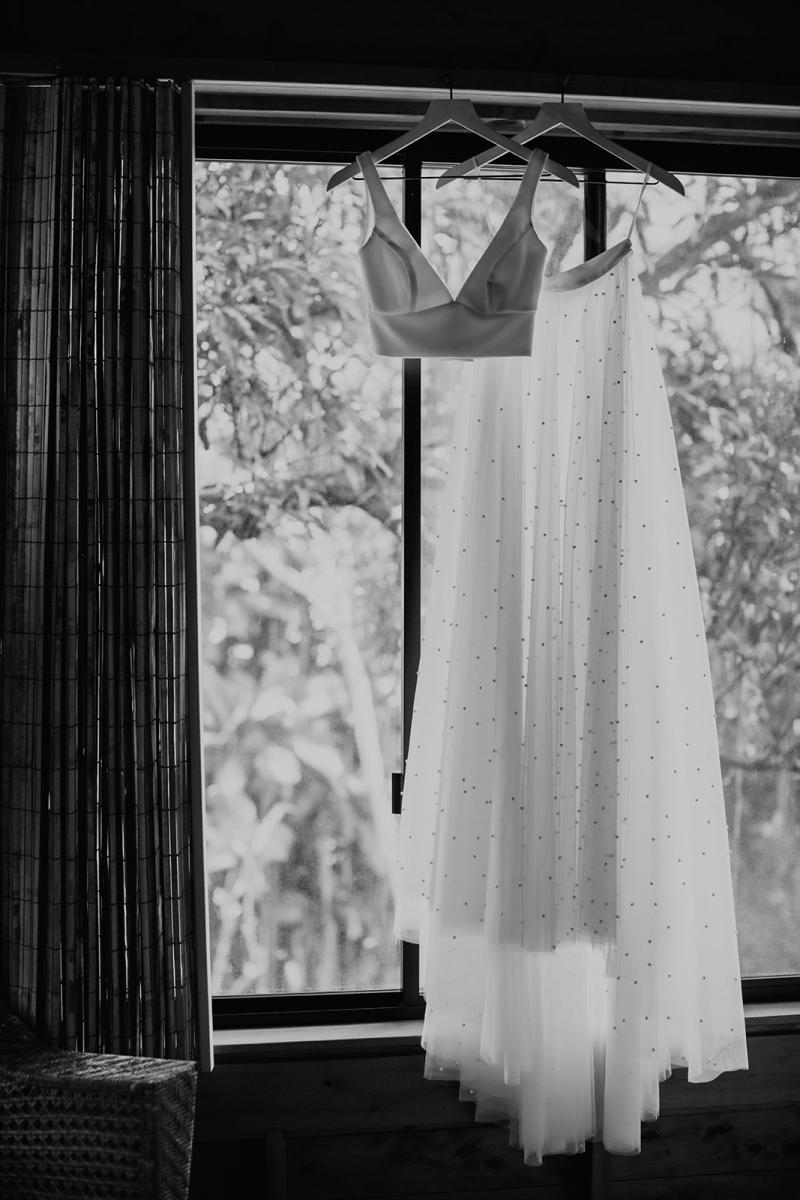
<point x="263" y="141"/>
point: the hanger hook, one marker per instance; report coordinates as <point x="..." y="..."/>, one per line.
<point x="564" y="87"/>
<point x="448" y="82"/>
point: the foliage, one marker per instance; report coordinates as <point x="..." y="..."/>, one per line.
<point x="300" y="512"/>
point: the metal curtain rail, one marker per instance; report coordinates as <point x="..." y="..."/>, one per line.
<point x="608" y="95"/>
<point x="337" y="106"/>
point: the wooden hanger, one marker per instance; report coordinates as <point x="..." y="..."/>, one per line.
<point x="573" y="117"/>
<point x="460" y="112"/>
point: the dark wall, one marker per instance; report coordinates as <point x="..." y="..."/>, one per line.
<point x="705" y="43"/>
<point x="368" y="1127"/>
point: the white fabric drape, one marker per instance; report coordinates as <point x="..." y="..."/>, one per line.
<point x="563" y="855"/>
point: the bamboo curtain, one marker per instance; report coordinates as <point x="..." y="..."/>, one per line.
<point x="97" y="920"/>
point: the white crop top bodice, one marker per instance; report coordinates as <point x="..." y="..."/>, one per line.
<point x="412" y="313"/>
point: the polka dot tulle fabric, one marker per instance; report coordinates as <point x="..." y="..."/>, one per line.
<point x="563" y="856"/>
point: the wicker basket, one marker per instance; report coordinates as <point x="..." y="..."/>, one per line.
<point x="91" y="1126"/>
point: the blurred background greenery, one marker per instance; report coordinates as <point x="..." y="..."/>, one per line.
<point x="300" y="511"/>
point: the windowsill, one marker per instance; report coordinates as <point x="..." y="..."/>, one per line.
<point x="358" y="1031"/>
<point x="404" y="1036"/>
<point x="366" y="1038"/>
<point x="776" y="1009"/>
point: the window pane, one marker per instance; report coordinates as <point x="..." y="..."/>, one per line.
<point x="299" y="473"/>
<point x="720" y="270"/>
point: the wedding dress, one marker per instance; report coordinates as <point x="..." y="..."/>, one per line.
<point x="563" y="857"/>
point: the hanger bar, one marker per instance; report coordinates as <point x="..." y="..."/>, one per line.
<point x="499" y="175"/>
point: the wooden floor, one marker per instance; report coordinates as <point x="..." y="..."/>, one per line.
<point x="369" y="1126"/>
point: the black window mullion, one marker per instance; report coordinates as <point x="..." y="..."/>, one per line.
<point x="412" y="532"/>
<point x="594" y="214"/>
<point x="412" y="473"/>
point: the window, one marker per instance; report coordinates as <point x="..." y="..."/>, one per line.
<point x="320" y="469"/>
<point x="300" y="487"/>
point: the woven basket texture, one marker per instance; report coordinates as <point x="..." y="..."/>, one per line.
<point x="76" y="1126"/>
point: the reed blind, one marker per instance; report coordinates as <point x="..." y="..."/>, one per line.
<point x="97" y="923"/>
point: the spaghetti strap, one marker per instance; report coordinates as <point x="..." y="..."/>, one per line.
<point x="639" y="200"/>
<point x="526" y="191"/>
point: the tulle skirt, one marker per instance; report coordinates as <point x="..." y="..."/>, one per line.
<point x="563" y="856"/>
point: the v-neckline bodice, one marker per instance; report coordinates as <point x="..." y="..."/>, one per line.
<point x="498" y="244"/>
